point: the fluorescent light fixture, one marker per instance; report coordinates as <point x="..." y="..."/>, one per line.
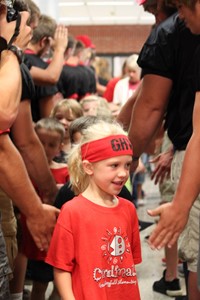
<point x="107" y="3"/>
<point x="74" y="19"/>
<point x="113" y="18"/>
<point x="97" y="3"/>
<point x="80" y="3"/>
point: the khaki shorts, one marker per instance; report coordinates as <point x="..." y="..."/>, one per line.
<point x="188" y="244"/>
<point x="9" y="227"/>
<point x="167" y="187"/>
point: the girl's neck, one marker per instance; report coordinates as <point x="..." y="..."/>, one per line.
<point x="102" y="200"/>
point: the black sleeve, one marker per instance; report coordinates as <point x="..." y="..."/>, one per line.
<point x="64" y="195"/>
<point x="197" y="70"/>
<point x="28" y="88"/>
<point x="157" y="54"/>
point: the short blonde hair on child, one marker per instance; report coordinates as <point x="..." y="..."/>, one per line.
<point x="51" y="124"/>
<point x="103" y="108"/>
<point x="68" y="105"/>
<point x="78" y="178"/>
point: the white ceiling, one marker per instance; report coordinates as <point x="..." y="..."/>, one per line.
<point x="93" y="12"/>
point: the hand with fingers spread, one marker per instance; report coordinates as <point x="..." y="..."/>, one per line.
<point x="60" y="38"/>
<point x="163" y="166"/>
<point x="172" y="220"/>
<point x="41" y="225"/>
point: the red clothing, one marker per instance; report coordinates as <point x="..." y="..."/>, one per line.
<point x="60" y="175"/>
<point x="100" y="247"/>
<point x="4" y="131"/>
<point x="108" y="94"/>
<point x="29" y="248"/>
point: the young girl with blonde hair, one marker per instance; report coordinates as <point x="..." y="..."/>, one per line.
<point x="96" y="243"/>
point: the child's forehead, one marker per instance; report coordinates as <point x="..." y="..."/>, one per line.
<point x="49" y="133"/>
<point x="65" y="111"/>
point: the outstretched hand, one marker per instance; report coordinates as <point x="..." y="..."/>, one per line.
<point x="41" y="226"/>
<point x="171" y="223"/>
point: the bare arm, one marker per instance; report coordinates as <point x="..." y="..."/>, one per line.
<point x="173" y="218"/>
<point x="15" y="182"/>
<point x="47" y="104"/>
<point x="51" y="74"/>
<point x="8" y="62"/>
<point x="63" y="282"/>
<point x="148" y="111"/>
<point x="32" y="152"/>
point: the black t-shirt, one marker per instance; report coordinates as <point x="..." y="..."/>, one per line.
<point x="169" y="52"/>
<point x="89" y="80"/>
<point x="28" y="88"/>
<point x="40" y="91"/>
<point x="197" y="69"/>
<point x="69" y="83"/>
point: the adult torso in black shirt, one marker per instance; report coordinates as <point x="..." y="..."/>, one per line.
<point x="40" y="91"/>
<point x="69" y="83"/>
<point x="169" y="52"/>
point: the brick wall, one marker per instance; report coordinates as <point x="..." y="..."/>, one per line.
<point x="115" y="39"/>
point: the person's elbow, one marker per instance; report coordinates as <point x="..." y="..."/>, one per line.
<point x="7" y="118"/>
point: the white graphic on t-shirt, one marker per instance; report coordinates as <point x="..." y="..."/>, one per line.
<point x="120" y="267"/>
<point x="116" y="246"/>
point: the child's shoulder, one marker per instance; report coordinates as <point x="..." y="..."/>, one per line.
<point x="126" y="202"/>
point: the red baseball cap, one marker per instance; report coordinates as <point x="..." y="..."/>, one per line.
<point x="140" y="2"/>
<point x="86" y="41"/>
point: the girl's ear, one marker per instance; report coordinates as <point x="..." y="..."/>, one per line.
<point x="87" y="167"/>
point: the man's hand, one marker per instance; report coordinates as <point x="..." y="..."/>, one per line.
<point x="170" y="225"/>
<point x="60" y="38"/>
<point x="41" y="225"/>
<point x="163" y="166"/>
<point x="7" y="29"/>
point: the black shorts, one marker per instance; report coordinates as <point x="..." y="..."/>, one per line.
<point x="38" y="270"/>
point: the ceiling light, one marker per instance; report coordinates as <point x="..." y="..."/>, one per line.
<point x="80" y="3"/>
<point x="107" y="3"/>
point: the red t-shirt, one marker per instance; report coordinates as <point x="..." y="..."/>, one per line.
<point x="61" y="175"/>
<point x="100" y="247"/>
<point x="108" y="94"/>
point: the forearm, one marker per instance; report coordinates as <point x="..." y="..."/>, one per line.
<point x="148" y="111"/>
<point x="189" y="183"/>
<point x="63" y="282"/>
<point x="11" y="97"/>
<point x="51" y="74"/>
<point x="38" y="169"/>
<point x="14" y="179"/>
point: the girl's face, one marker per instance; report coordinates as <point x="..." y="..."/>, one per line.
<point x="190" y="16"/>
<point x="65" y="117"/>
<point x="134" y="75"/>
<point x="110" y="175"/>
<point x="51" y="141"/>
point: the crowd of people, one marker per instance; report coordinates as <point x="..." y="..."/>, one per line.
<point x="69" y="141"/>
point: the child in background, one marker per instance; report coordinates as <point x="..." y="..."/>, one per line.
<point x="65" y="111"/>
<point x="94" y="105"/>
<point x="51" y="134"/>
<point x="96" y="242"/>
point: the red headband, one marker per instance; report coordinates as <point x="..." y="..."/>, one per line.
<point x="110" y="146"/>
